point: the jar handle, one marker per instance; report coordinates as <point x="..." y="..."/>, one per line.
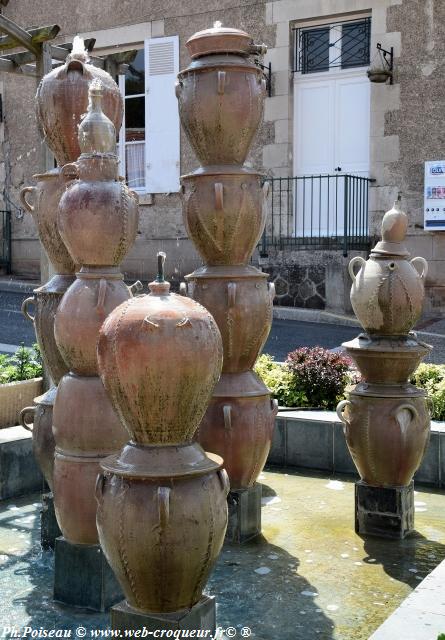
<point x="178" y="88"/>
<point x="353" y="262"/>
<point x="100" y="305"/>
<point x="266" y="189"/>
<point x="272" y="291"/>
<point x="221" y="82"/>
<point x="136" y="287"/>
<point x="99" y="487"/>
<point x="224" y="480"/>
<point x="339" y="410"/>
<point x="23" y="414"/>
<point x="430" y="405"/>
<point x="25" y="305"/>
<point x="28" y="206"/>
<point x="219" y="196"/>
<point x="227" y="413"/>
<point x="163" y="506"/>
<point x="231" y="291"/>
<point x="274" y="405"/>
<point x="406" y="407"/>
<point x="183" y="289"/>
<point x="424" y="263"/>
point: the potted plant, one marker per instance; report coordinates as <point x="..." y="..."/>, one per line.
<point x="20" y="382"/>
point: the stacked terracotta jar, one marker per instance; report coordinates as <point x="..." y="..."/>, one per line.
<point x="221" y="96"/>
<point x="62" y="99"/>
<point x="97" y="220"/>
<point x="162" y="510"/>
<point x="386" y="419"/>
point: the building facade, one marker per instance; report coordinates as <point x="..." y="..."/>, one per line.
<point x="337" y="149"/>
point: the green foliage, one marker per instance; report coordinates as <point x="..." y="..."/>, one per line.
<point x="309" y="378"/>
<point x="441" y="636"/>
<point x="280" y="382"/>
<point x="431" y="377"/>
<point x="23" y="365"/>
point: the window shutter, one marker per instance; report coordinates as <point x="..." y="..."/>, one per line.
<point x="161" y="115"/>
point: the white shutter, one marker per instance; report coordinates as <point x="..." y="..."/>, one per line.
<point x="161" y="115"/>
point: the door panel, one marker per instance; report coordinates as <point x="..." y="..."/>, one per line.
<point x="351" y="143"/>
<point x="331" y="137"/>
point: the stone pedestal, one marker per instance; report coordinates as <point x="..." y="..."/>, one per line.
<point x="49" y="529"/>
<point x="83" y="577"/>
<point x="200" y="617"/>
<point x="244" y="514"/>
<point x="387" y="512"/>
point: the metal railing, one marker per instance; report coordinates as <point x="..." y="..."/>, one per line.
<point x="5" y="240"/>
<point x="317" y="212"/>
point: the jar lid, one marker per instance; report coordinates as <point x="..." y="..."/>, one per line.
<point x="219" y="39"/>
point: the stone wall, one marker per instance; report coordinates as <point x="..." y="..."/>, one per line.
<point x="406" y="122"/>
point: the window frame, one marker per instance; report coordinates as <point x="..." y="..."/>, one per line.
<point x="121" y="138"/>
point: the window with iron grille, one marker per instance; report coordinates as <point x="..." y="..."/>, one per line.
<point x="343" y="45"/>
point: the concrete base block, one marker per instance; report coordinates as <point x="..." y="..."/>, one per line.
<point x="244" y="514"/>
<point x="387" y="512"/>
<point x="83" y="577"/>
<point x="19" y="472"/>
<point x="49" y="528"/>
<point x="200" y="617"/>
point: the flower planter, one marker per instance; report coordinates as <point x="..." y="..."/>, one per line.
<point x="16" y="395"/>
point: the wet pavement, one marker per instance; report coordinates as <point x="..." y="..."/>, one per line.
<point x="309" y="577"/>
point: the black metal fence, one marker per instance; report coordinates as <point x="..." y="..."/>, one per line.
<point x="5" y="240"/>
<point x="317" y="212"/>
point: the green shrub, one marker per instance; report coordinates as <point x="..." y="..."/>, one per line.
<point x="23" y="365"/>
<point x="309" y="378"/>
<point x="280" y="381"/>
<point x="431" y="377"/>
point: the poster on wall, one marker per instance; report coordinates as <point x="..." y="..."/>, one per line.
<point x="434" y="196"/>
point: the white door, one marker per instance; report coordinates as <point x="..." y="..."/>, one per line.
<point x="331" y="139"/>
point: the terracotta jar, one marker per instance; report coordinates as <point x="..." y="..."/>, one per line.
<point x="386" y="436"/>
<point x="84" y="421"/>
<point x="62" y="101"/>
<point x="46" y="300"/>
<point x="74" y="501"/>
<point x="162" y="516"/>
<point x="240" y="299"/>
<point x="43" y="204"/>
<point x="221" y="95"/>
<point x="224" y="213"/>
<point x="162" y="511"/>
<point x="388" y="361"/>
<point x="89" y="300"/>
<point x="238" y="425"/>
<point x="43" y="444"/>
<point x="158" y="379"/>
<point x="387" y="292"/>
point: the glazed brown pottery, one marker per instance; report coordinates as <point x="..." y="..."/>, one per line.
<point x="162" y="523"/>
<point x="240" y="299"/>
<point x="43" y="204"/>
<point x="239" y="429"/>
<point x="386" y="437"/>
<point x="387" y="292"/>
<point x="46" y="300"/>
<point x="74" y="501"/>
<point x="162" y="510"/>
<point x="158" y="380"/>
<point x="86" y="305"/>
<point x="84" y="421"/>
<point x="221" y="102"/>
<point x="224" y="214"/>
<point x="43" y="444"/>
<point x="98" y="221"/>
<point x="62" y="100"/>
<point x="386" y="360"/>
